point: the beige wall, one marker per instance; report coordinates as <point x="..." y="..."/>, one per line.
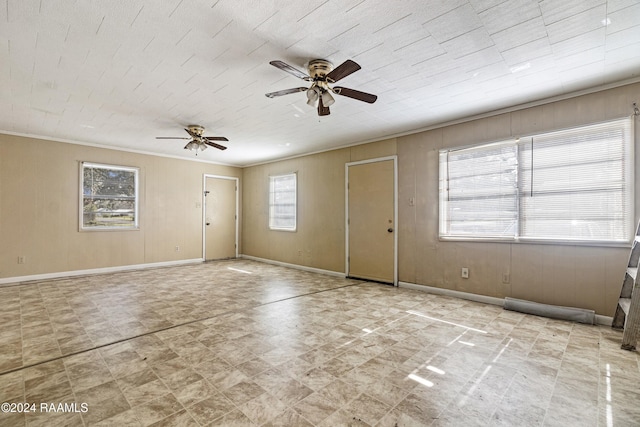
<point x="39" y="193"/>
<point x="319" y="241"/>
<point x="577" y="276"/>
<point x="39" y="212"/>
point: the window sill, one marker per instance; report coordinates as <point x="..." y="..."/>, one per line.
<point x="565" y="242"/>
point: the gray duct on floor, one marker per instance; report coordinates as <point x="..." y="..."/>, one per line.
<point x="580" y="315"/>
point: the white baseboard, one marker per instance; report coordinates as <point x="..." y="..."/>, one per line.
<point x="104" y="270"/>
<point x="599" y="319"/>
<point x="295" y="266"/>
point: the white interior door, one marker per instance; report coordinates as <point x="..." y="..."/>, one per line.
<point x="371" y="220"/>
<point x="221" y="217"/>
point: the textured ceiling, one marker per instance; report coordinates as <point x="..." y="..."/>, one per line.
<point x="119" y="73"/>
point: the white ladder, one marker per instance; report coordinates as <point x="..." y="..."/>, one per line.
<point x="627" y="315"/>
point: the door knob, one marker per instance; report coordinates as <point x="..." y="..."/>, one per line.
<point x="390" y="230"/>
<point x="208" y="223"/>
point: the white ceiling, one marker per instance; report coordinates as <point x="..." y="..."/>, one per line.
<point x="118" y="73"/>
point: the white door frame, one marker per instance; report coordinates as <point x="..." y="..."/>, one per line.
<point x="395" y="211"/>
<point x="204" y="211"/>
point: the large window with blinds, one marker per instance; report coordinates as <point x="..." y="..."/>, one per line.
<point x="574" y="185"/>
<point x="282" y="202"/>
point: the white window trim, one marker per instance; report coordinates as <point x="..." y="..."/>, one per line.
<point x="136" y="171"/>
<point x="271" y="202"/>
<point x="630" y="180"/>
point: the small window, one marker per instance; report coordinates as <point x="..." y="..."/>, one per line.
<point x="282" y="202"/>
<point x="109" y="197"/>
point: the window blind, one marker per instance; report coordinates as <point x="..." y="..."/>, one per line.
<point x="282" y="202"/>
<point x="480" y="186"/>
<point x="570" y="185"/>
<point x="576" y="185"/>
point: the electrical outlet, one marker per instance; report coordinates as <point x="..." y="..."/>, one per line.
<point x="506" y="278"/>
<point x="177" y="248"/>
<point x="464" y="273"/>
<point x="22" y="260"/>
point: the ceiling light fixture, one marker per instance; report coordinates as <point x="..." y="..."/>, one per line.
<point x="327" y="99"/>
<point x="194" y="146"/>
<point x="312" y="96"/>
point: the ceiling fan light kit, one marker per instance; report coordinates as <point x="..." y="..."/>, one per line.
<point x="312" y="96"/>
<point x="321" y="73"/>
<point x="313" y="92"/>
<point x="194" y="146"/>
<point x="327" y="99"/>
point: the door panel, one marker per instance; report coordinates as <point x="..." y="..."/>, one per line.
<point x="220" y="218"/>
<point x="371" y="205"/>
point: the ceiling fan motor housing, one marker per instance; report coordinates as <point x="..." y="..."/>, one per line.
<point x="319" y="68"/>
<point x="197" y="129"/>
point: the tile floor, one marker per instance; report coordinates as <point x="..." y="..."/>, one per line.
<point x="241" y="343"/>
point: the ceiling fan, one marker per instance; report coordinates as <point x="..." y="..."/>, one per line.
<point x="321" y="74"/>
<point x="198" y="141"/>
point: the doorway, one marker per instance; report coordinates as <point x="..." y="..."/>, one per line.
<point x="220" y="240"/>
<point x="372" y="211"/>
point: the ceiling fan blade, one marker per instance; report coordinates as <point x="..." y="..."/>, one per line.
<point x="192" y="133"/>
<point x="215" y="138"/>
<point x="171" y="137"/>
<point x="285" y="92"/>
<point x="355" y="94"/>
<point x="322" y="110"/>
<point x="342" y="71"/>
<point x="218" y="146"/>
<point x="291" y="70"/>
